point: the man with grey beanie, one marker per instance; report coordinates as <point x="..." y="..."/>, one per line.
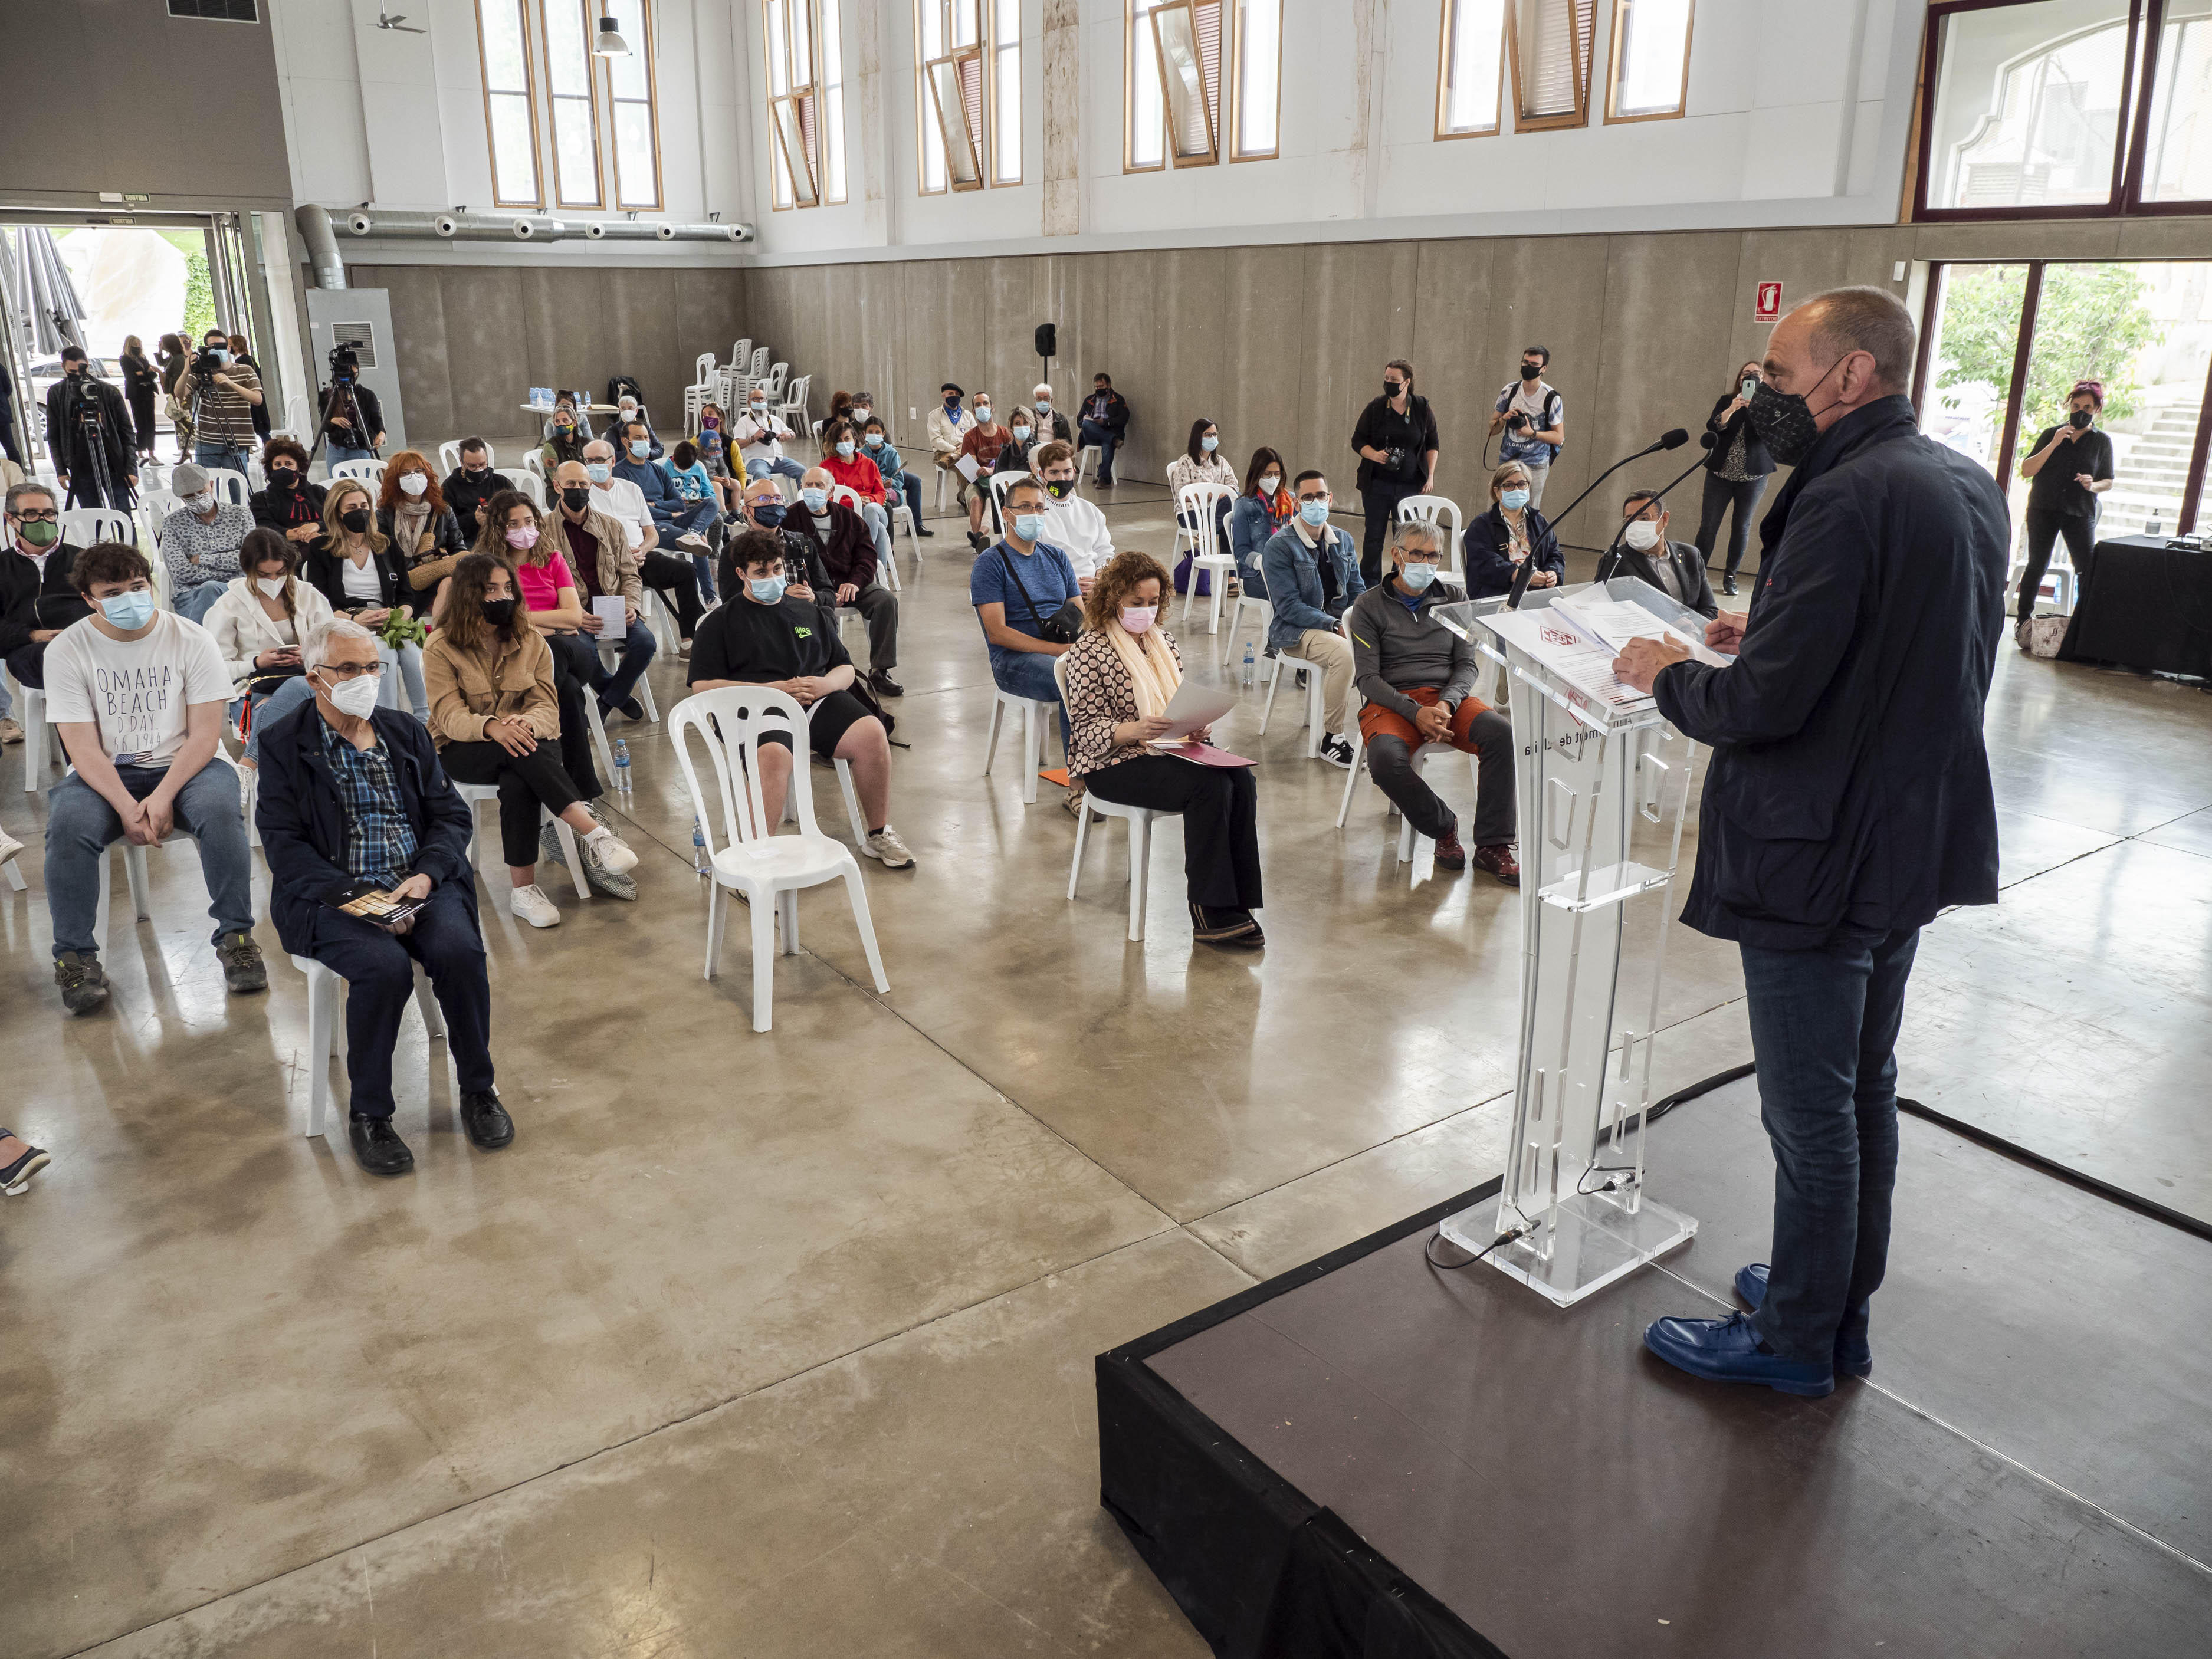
<point x="200" y="541"/>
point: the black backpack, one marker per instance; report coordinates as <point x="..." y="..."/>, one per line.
<point x="618" y="383"/>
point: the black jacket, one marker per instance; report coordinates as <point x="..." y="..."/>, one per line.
<point x="320" y="564"/>
<point x="372" y="415"/>
<point x="26" y="603"/>
<point x="1689" y="570"/>
<point x="1756" y="460"/>
<point x="1117" y="412"/>
<point x="282" y="510"/>
<point x="1849" y="791"/>
<point x="849" y="554"/>
<point x="1490" y="564"/>
<point x="71" y="444"/>
<point x="467" y="498"/>
<point x="802" y="564"/>
<point x="1413" y="433"/>
<point x="303" y="822"/>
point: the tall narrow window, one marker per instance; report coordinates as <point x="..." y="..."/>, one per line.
<point x="832" y="135"/>
<point x="575" y="111"/>
<point x="1650" y="59"/>
<point x="807" y="150"/>
<point x="510" y="107"/>
<point x="968" y="98"/>
<point x="1258" y="83"/>
<point x="1550" y="44"/>
<point x="1144" y="128"/>
<point x="1470" y="67"/>
<point x="1007" y="92"/>
<point x="632" y="119"/>
<point x="1186" y="34"/>
<point x="928" y="46"/>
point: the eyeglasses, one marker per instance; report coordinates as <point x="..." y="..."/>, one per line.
<point x="1314" y="496"/>
<point x="346" y="671"/>
<point x="35" y="516"/>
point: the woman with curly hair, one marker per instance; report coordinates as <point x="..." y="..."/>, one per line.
<point x="412" y="512"/>
<point x="1120" y="675"/>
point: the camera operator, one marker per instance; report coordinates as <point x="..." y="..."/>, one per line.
<point x="222" y="395"/>
<point x="353" y="420"/>
<point x="1396" y="438"/>
<point x="1533" y="420"/>
<point x="89" y="432"/>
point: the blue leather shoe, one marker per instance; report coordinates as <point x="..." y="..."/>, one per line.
<point x="1727" y="1351"/>
<point x="1854" y="1355"/>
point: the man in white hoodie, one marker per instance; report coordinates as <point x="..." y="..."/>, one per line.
<point x="1072" y="524"/>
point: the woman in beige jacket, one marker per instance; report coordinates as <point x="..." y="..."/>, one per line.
<point x="496" y="721"/>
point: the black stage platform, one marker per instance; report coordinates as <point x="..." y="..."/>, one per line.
<point x="1368" y="1456"/>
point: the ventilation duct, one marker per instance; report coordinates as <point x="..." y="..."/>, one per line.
<point x="314" y="226"/>
<point x="390" y="226"/>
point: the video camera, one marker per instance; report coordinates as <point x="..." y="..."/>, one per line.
<point x="345" y="366"/>
<point x="207" y="361"/>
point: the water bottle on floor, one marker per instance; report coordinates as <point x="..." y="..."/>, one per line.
<point x="1251" y="668"/>
<point x="621" y="767"/>
<point x="698" y="849"/>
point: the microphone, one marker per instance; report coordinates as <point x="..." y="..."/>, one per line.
<point x="1520" y="582"/>
<point x="1672" y="440"/>
<point x="1608" y="565"/>
<point x="1675" y="440"/>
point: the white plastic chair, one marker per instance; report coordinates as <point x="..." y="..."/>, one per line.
<point x="768" y="869"/>
<point x="41" y="739"/>
<point x="741" y="355"/>
<point x="1261" y="613"/>
<point x="1037" y="718"/>
<point x="326" y="1031"/>
<point x="1444" y="512"/>
<point x="157" y="505"/>
<point x="1317" y="710"/>
<point x="369" y="473"/>
<point x="2060" y="579"/>
<point x="84" y="525"/>
<point x="1139" y="820"/>
<point x="1002" y="485"/>
<point x="449" y="455"/>
<point x="135" y="873"/>
<point x="611" y="654"/>
<point x="1198" y="502"/>
<point x="476" y="794"/>
<point x="233" y="487"/>
<point x="15" y="876"/>
<point x="1089" y="455"/>
<point x="793" y="409"/>
<point x="256" y="477"/>
<point x="534" y="464"/>
<point x="850" y="497"/>
<point x="757" y="369"/>
<point x="531" y="484"/>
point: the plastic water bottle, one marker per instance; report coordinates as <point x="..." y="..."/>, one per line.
<point x="1251" y="668"/>
<point x="698" y="849"/>
<point x="622" y="766"/>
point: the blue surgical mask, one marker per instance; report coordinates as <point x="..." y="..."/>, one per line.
<point x="1029" y="525"/>
<point x="875" y="441"/>
<point x="1513" y="500"/>
<point x="845" y="449"/>
<point x="1209" y="443"/>
<point x="220" y="355"/>
<point x="767" y="589"/>
<point x="1021" y="435"/>
<point x="815" y="500"/>
<point x="769" y="514"/>
<point x="1314" y="513"/>
<point x="129" y="612"/>
<point x="640" y="448"/>
<point x="1419" y="573"/>
<point x="599" y="471"/>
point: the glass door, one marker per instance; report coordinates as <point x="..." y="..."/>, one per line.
<point x="1973" y="348"/>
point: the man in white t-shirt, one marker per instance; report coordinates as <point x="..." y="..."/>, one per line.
<point x="758" y="434"/>
<point x="1071" y="524"/>
<point x="138" y="695"/>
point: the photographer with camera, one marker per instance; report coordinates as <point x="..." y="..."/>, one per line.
<point x="1532" y="419"/>
<point x="90" y="433"/>
<point x="1396" y="438"/>
<point x="353" y="422"/>
<point x="222" y="395"/>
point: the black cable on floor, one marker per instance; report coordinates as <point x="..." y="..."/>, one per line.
<point x="2011" y="1149"/>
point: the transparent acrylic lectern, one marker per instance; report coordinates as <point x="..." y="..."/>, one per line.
<point x="1592" y="768"/>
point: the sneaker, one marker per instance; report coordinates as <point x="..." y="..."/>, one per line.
<point x="82" y="980"/>
<point x="608" y="851"/>
<point x="1498" y="859"/>
<point x="10" y="732"/>
<point x="1336" y="749"/>
<point x="1728" y="586"/>
<point x="881" y="683"/>
<point x="16" y="1175"/>
<point x="692" y="541"/>
<point x="884" y="846"/>
<point x="242" y="968"/>
<point x="683" y="648"/>
<point x="1450" y="855"/>
<point x="484" y="1121"/>
<point x="377" y="1146"/>
<point x="596" y="876"/>
<point x="530" y="904"/>
<point x="8" y="846"/>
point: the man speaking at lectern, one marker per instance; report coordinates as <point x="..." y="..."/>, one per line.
<point x="1847" y="802"/>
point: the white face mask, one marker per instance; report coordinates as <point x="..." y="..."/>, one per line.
<point x="356" y="698"/>
<point x="1642" y="535"/>
<point x="1271" y="483"/>
<point x="203" y="502"/>
<point x="983" y="413"/>
<point x="272" y="586"/>
<point x="414" y="483"/>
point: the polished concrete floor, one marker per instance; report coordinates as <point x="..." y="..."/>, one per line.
<point x="781" y="1343"/>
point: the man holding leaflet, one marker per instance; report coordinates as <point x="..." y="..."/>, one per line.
<point x="1849" y="801"/>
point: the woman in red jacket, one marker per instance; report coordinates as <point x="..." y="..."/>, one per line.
<point x="842" y="460"/>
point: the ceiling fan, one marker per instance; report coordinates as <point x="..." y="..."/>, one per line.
<point x="384" y="21"/>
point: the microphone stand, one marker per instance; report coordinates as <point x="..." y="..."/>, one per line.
<point x="1613" y="547"/>
<point x="1555" y="521"/>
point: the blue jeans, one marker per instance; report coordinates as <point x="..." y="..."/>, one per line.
<point x="1029" y="674"/>
<point x="1824" y="1028"/>
<point x="197" y="601"/>
<point x="335" y="451"/>
<point x="1090" y="433"/>
<point x="692" y="516"/>
<point x="208" y="454"/>
<point x="81" y="826"/>
<point x="783" y="465"/>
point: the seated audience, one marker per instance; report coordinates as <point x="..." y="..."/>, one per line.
<point x="1072" y="524"/>
<point x="512" y="529"/>
<point x="676" y="517"/>
<point x="759" y="435"/>
<point x="357" y="568"/>
<point x="289" y="504"/>
<point x="1105" y="422"/>
<point x="1021" y="432"/>
<point x="850" y="556"/>
<point x="1499" y="542"/>
<point x="258" y="624"/>
<point x="424" y="530"/>
<point x="1675" y="568"/>
<point x="1312" y="577"/>
<point x="1264" y="508"/>
<point x="982" y="444"/>
<point x="1017" y="586"/>
<point x="1121" y="673"/>
<point x="630" y="412"/>
<point x="1202" y="462"/>
<point x="142" y="767"/>
<point x="842" y="459"/>
<point x="494" y="720"/>
<point x="199" y="542"/>
<point x="1418" y="677"/>
<point x="350" y="792"/>
<point x="763" y="636"/>
<point x="566" y="434"/>
<point x="469" y="485"/>
<point x="724" y="465"/>
<point x="698" y="488"/>
<point x="38" y="596"/>
<point x="623" y="500"/>
<point x="949" y="426"/>
<point x="1051" y="425"/>
<point x="561" y="575"/>
<point x="805" y="577"/>
<point x="901" y="487"/>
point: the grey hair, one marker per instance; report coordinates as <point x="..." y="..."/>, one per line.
<point x="1424" y="531"/>
<point x="31" y="487"/>
<point x="1870" y="319"/>
<point x="315" y="649"/>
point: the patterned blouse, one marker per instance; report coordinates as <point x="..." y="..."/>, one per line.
<point x="1100" y="696"/>
<point x="1213" y="469"/>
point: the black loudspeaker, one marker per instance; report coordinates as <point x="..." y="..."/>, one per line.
<point x="1048" y="340"/>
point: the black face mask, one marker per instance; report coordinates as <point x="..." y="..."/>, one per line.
<point x="284" y="478"/>
<point x="1391" y="388"/>
<point x="576" y="496"/>
<point x="768" y="514"/>
<point x="1058" y="487"/>
<point x="1531" y="370"/>
<point x="499" y="612"/>
<point x="1784" y="420"/>
<point x="473" y="473"/>
<point x="355" y="518"/>
<point x="2080" y="419"/>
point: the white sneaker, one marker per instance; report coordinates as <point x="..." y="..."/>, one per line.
<point x="608" y="851"/>
<point x="530" y="904"/>
<point x="8" y="846"/>
<point x="885" y="844"/>
<point x="1337" y="751"/>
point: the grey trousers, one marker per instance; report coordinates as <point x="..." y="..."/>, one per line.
<point x="879" y="607"/>
<point x="1391" y="760"/>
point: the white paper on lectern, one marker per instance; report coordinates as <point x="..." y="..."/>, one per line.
<point x="614" y="611"/>
<point x="1193" y="708"/>
<point x="1566" y="649"/>
<point x="1615" y="622"/>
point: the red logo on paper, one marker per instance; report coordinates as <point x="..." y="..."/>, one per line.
<point x="1557" y="636"/>
<point x="1769" y="302"/>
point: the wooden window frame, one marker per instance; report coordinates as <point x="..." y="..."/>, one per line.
<point x="984" y="49"/>
<point x="1447" y="12"/>
<point x="647" y="51"/>
<point x="530" y="104"/>
<point x="1612" y="66"/>
<point x="2131" y="196"/>
<point x="798" y="95"/>
<point x="1170" y="156"/>
<point x="561" y="202"/>
<point x="824" y="122"/>
<point x="976" y="143"/>
<point x="1232" y="83"/>
<point x="1583" y="68"/>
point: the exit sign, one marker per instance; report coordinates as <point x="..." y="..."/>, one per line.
<point x="1769" y="302"/>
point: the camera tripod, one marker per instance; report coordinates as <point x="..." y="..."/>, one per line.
<point x="90" y="424"/>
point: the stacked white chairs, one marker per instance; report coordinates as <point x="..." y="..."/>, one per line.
<point x="1139" y="820"/>
<point x="744" y="854"/>
<point x="1444" y="512"/>
<point x="327" y="1030"/>
<point x="793" y="411"/>
<point x="1198" y="503"/>
<point x="757" y="369"/>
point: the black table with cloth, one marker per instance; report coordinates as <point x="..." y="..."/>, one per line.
<point x="2143" y="604"/>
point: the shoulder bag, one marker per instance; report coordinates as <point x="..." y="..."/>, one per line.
<point x="1064" y="626"/>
